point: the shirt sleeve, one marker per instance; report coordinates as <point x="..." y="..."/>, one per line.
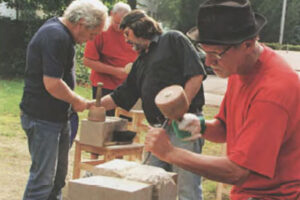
<point x="186" y="52"/>
<point x="92" y="48"/>
<point x="53" y="49"/>
<point x="258" y="142"/>
<point x="126" y="95"/>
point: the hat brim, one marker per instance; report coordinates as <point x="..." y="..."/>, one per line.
<point x="261" y="21"/>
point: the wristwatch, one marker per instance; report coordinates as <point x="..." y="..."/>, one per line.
<point x="202" y="124"/>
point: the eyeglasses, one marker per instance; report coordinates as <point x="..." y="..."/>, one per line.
<point x="126" y="33"/>
<point x="218" y="56"/>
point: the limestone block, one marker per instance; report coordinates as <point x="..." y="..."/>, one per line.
<point x="97" y="133"/>
<point x="164" y="183"/>
<point x="114" y="168"/>
<point x="108" y="188"/>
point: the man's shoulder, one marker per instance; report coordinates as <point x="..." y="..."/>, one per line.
<point x="173" y="36"/>
<point x="173" y="33"/>
<point x="52" y="28"/>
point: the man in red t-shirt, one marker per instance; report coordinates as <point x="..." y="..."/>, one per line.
<point x="259" y="117"/>
<point x="108" y="54"/>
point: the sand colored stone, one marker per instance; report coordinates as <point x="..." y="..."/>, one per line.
<point x="97" y="133"/>
<point x="108" y="188"/>
<point x="163" y="182"/>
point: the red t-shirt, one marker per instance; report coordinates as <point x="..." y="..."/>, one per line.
<point x="262" y="116"/>
<point x="110" y="48"/>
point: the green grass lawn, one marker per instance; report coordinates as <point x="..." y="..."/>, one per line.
<point x="14" y="156"/>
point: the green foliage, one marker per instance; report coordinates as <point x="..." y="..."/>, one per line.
<point x="31" y="27"/>
<point x="288" y="47"/>
<point x="14" y="63"/>
<point x="178" y="14"/>
<point x="10" y="97"/>
<point x="12" y="55"/>
<point x="14" y="37"/>
<point x="267" y="8"/>
<point x="82" y="72"/>
<point x="175" y="14"/>
<point x="132" y="3"/>
<point x="181" y="15"/>
<point x="27" y="9"/>
<point x="16" y="34"/>
<point x="272" y="10"/>
<point x="292" y="26"/>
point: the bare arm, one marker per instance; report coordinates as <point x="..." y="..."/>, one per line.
<point x="98" y="66"/>
<point x="108" y="103"/>
<point x="212" y="167"/>
<point x="215" y="131"/>
<point x="60" y="90"/>
<point x="192" y="86"/>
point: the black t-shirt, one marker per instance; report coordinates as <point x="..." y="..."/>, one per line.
<point x="50" y="52"/>
<point x="171" y="59"/>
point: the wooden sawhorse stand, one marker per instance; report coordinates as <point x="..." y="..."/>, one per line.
<point x="137" y="121"/>
<point x="134" y="151"/>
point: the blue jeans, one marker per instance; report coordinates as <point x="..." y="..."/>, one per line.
<point x="48" y="144"/>
<point x="189" y="184"/>
<point x="74" y="122"/>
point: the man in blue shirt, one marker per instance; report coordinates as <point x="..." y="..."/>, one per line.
<point x="48" y="94"/>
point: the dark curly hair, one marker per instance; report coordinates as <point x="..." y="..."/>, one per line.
<point x="142" y="25"/>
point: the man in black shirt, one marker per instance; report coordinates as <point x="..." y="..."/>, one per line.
<point x="48" y="94"/>
<point x="164" y="59"/>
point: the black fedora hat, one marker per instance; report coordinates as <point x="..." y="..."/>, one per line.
<point x="222" y="22"/>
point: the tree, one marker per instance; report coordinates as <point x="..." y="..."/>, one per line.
<point x="178" y="14"/>
<point x="181" y="15"/>
<point x="271" y="9"/>
<point x="132" y="4"/>
<point x="27" y="9"/>
<point x="292" y="28"/>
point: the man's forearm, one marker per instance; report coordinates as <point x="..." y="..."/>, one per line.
<point x="192" y="86"/>
<point x="101" y="67"/>
<point x="215" y="168"/>
<point x="215" y="131"/>
<point x="59" y="89"/>
<point x="108" y="103"/>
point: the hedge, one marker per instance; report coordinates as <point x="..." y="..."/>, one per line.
<point x="288" y="47"/>
<point x="82" y="72"/>
<point x="15" y="35"/>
